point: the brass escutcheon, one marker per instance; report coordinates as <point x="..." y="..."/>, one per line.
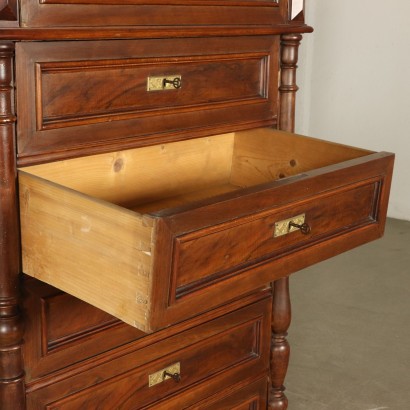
<point x="289" y="225"/>
<point x="171" y="372"/>
<point x="162" y="83"/>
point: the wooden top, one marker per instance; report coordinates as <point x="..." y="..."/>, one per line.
<point x="145" y="32"/>
<point x="132" y="19"/>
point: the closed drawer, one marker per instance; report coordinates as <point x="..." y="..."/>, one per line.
<point x="88" y="93"/>
<point x="247" y="395"/>
<point x="48" y="13"/>
<point x="207" y="358"/>
<point x="157" y="234"/>
<point x="61" y="330"/>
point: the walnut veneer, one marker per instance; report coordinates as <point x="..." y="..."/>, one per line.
<point x="147" y="236"/>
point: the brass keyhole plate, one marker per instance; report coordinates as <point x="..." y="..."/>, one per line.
<point x="158" y="83"/>
<point x="158" y="377"/>
<point x="283" y="228"/>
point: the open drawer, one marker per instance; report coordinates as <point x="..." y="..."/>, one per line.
<point x="157" y="234"/>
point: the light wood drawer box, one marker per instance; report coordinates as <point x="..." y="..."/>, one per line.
<point x="238" y="343"/>
<point x="158" y="234"/>
<point x="103" y="13"/>
<point x="81" y="95"/>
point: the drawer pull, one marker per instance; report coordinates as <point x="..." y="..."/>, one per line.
<point x="304" y="228"/>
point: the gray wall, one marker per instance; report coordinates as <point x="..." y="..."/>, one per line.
<point x="354" y="81"/>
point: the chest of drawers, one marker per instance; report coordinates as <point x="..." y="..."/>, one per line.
<point x="154" y="201"/>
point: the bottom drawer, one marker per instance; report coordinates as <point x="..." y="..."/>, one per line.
<point x="249" y="395"/>
<point x="218" y="353"/>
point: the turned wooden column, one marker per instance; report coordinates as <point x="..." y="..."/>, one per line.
<point x="288" y="88"/>
<point x="281" y="308"/>
<point x="281" y="317"/>
<point x="11" y="329"/>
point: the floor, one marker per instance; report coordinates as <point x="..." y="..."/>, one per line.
<point x="350" y="333"/>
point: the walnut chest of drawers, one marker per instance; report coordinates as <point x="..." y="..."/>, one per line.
<point x="155" y="200"/>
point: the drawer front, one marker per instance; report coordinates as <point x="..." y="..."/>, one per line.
<point x="47" y="13"/>
<point x="249" y="395"/>
<point x="211" y="254"/>
<point x="218" y="353"/>
<point x="76" y="101"/>
<point x="219" y="251"/>
<point x="61" y="330"/>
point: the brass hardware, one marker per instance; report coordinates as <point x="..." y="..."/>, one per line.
<point x="172" y="82"/>
<point x="290" y="225"/>
<point x="170" y="372"/>
<point x="304" y="228"/>
<point x="174" y="376"/>
<point x="176" y="82"/>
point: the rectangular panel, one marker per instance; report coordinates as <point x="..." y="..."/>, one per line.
<point x="228" y="347"/>
<point x="48" y="13"/>
<point x="84" y="95"/>
<point x="61" y="330"/>
<point x="62" y="326"/>
<point x="78" y="93"/>
<point x="250" y="394"/>
<point x="210" y="254"/>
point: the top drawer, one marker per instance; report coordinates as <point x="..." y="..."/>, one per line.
<point x="158" y="234"/>
<point x="78" y="94"/>
<point x="78" y="13"/>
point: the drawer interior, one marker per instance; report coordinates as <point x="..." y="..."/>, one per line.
<point x="152" y="178"/>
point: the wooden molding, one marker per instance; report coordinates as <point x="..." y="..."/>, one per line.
<point x="8" y="10"/>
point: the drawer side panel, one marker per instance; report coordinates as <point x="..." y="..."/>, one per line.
<point x="71" y="241"/>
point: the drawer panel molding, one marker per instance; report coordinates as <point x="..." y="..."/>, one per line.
<point x="208" y="81"/>
<point x="209" y="255"/>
